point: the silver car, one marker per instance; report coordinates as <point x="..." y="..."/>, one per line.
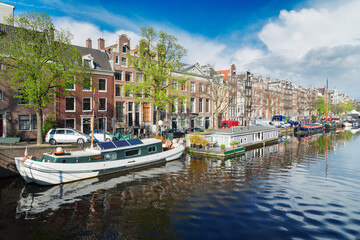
<point x="66" y="135"/>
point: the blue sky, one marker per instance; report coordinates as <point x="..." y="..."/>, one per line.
<point x="299" y="40"/>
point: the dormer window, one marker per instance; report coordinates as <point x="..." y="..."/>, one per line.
<point x="88" y="60"/>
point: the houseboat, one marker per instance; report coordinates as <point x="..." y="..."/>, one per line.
<point x="108" y="157"/>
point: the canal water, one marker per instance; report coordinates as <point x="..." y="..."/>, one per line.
<point x="301" y="188"/>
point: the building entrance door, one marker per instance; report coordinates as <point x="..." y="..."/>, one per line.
<point x="86" y="125"/>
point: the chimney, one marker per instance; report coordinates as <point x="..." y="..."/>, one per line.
<point x="88" y="43"/>
<point x="101" y="44"/>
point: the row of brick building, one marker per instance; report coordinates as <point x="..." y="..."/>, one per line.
<point x="116" y="109"/>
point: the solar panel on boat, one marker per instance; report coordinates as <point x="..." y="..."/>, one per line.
<point x="106" y="145"/>
<point x="135" y="141"/>
<point x="121" y="143"/>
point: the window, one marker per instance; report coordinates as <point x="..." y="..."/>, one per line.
<point x="110" y="156"/>
<point x="192" y="105"/>
<point x="123" y="61"/>
<point x="70" y="85"/>
<point x="102" y="123"/>
<point x="70" y="123"/>
<point x="124" y="48"/>
<point x="132" y="152"/>
<point x="118" y="75"/>
<point x="60" y="131"/>
<point x="86" y="83"/>
<point x="207" y="105"/>
<point x="201" y="87"/>
<point x="34" y="122"/>
<point x="128" y="76"/>
<point x="116" y="59"/>
<point x="192" y="86"/>
<point x="120" y="107"/>
<point x="70" y="132"/>
<point x="86" y="104"/>
<point x="87" y="62"/>
<point x="138" y="77"/>
<point x="151" y="149"/>
<point x="207" y="88"/>
<point x="183" y="87"/>
<point x="69" y="104"/>
<point x="1" y="95"/>
<point x="128" y="93"/>
<point x="102" y="85"/>
<point x="182" y="107"/>
<point x="200" y="105"/>
<point x="118" y="90"/>
<point x="24" y="122"/>
<point x="146" y="112"/>
<point x="163" y="83"/>
<point x="21" y="99"/>
<point x="102" y="104"/>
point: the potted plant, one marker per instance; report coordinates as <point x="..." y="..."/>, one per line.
<point x="204" y="142"/>
<point x="192" y="141"/>
<point x="222" y="146"/>
<point x="198" y="142"/>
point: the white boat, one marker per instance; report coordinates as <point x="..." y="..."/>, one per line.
<point x="108" y="157"/>
<point x="36" y="199"/>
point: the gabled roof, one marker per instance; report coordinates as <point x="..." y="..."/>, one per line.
<point x="101" y="61"/>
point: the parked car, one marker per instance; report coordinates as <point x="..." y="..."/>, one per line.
<point x="175" y="132"/>
<point x="65" y="135"/>
<point x="99" y="136"/>
<point x="190" y="130"/>
<point x="229" y="123"/>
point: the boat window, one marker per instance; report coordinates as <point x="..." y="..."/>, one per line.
<point x="110" y="156"/>
<point x="132" y="152"/>
<point x="152" y="149"/>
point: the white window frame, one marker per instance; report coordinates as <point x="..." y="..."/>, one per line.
<point x="105" y="122"/>
<point x="1" y="95"/>
<point x="105" y="84"/>
<point x="202" y="103"/>
<point x="122" y="62"/>
<point x="122" y="49"/>
<point x="117" y="60"/>
<point x="121" y="76"/>
<point x="29" y="120"/>
<point x="74" y="104"/>
<point x="88" y="90"/>
<point x="82" y="104"/>
<point x="193" y="106"/>
<point x="105" y="104"/>
<point x="207" y="105"/>
<point x="70" y="119"/>
<point x="121" y="90"/>
<point x="192" y="86"/>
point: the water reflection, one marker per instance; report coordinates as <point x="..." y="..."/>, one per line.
<point x="303" y="188"/>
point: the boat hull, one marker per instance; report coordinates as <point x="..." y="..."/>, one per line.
<point x="45" y="173"/>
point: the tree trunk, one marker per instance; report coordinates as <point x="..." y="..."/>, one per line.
<point x="39" y="118"/>
<point x="157" y="118"/>
<point x="215" y="122"/>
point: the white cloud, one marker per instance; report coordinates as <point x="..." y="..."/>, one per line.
<point x="84" y="30"/>
<point x="310" y="45"/>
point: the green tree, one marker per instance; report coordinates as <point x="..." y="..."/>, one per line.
<point x="157" y="58"/>
<point x="39" y="61"/>
<point x="320" y="106"/>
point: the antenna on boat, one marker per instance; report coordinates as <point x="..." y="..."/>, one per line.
<point x="327" y="98"/>
<point x="92" y="120"/>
